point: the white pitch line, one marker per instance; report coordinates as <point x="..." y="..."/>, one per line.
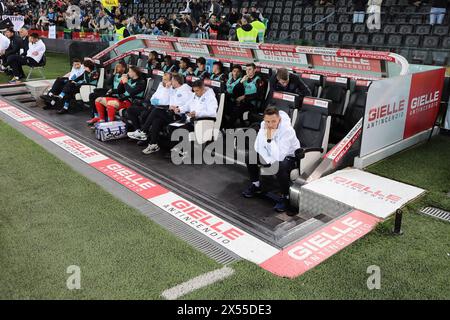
<point x="196" y="283"/>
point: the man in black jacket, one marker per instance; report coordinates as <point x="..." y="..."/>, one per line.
<point x="23" y="33"/>
<point x="287" y="82"/>
<point x="14" y="46"/>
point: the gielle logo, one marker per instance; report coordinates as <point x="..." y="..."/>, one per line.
<point x="366" y="189"/>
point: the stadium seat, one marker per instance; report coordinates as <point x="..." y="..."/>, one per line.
<point x="423" y="29"/>
<point x="378" y="39"/>
<point x="440" y="30"/>
<point x="405" y="29"/>
<point x="359" y="28"/>
<point x="394" y="40"/>
<point x="348" y="38"/>
<point x="333" y="38"/>
<point x="389" y="28"/>
<point x="345" y="27"/>
<point x="420" y="56"/>
<point x="287" y="102"/>
<point x="337" y="90"/>
<point x="314" y="82"/>
<point x="412" y="41"/>
<point x="332" y="27"/>
<point x="362" y="39"/>
<point x="313" y="129"/>
<point x="319" y="27"/>
<point x="440" y="58"/>
<point x="430" y="42"/>
<point x="446" y="43"/>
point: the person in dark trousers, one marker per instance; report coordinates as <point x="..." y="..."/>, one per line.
<point x="34" y="55"/>
<point x="72" y="87"/>
<point x="60" y="82"/>
<point x="138" y="114"/>
<point x="162" y="117"/>
<point x="13" y="49"/>
<point x="111" y="83"/>
<point x="287" y="82"/>
<point x="251" y="88"/>
<point x="130" y="89"/>
<point x="275" y="146"/>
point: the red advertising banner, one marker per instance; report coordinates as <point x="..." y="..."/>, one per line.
<point x="350" y="63"/>
<point x="424" y="101"/>
<point x="158" y="44"/>
<point x="228" y="51"/>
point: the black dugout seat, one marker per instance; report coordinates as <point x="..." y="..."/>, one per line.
<point x="314" y="82"/>
<point x="337" y="89"/>
<point x="287" y="102"/>
<point x="313" y="129"/>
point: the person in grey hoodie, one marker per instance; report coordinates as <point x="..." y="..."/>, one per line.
<point x="275" y="144"/>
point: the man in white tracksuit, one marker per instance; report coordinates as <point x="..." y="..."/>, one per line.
<point x="180" y="95"/>
<point x="275" y="144"/>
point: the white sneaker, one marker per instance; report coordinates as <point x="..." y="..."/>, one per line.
<point x="150" y="149"/>
<point x="137" y="135"/>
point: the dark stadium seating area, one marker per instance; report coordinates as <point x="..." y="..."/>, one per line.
<point x="404" y="29"/>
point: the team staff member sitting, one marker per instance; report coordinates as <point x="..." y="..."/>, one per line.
<point x="35" y="54"/>
<point x="275" y="145"/>
<point x="136" y="112"/>
<point x="159" y="118"/>
<point x="252" y="93"/>
<point x="184" y="66"/>
<point x="131" y="86"/>
<point x="72" y="87"/>
<point x="217" y="72"/>
<point x="13" y="48"/>
<point x="202" y="105"/>
<point x="57" y="87"/>
<point x="247" y="32"/>
<point x="201" y="72"/>
<point x="287" y="82"/>
<point x="153" y="62"/>
<point x="168" y="65"/>
<point x="111" y="83"/>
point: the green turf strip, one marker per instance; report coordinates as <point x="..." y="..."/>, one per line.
<point x="413" y="266"/>
<point x="51" y="217"/>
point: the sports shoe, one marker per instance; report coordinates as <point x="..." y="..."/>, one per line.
<point x="94" y="120"/>
<point x="14" y="80"/>
<point x="281" y="205"/>
<point x="137" y="135"/>
<point x="251" y="191"/>
<point x="63" y="111"/>
<point x="151" y="149"/>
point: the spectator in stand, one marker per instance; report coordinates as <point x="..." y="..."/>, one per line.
<point x="224" y="29"/>
<point x="261" y="27"/>
<point x="121" y="30"/>
<point x="247" y="33"/>
<point x="163" y="24"/>
<point x="234" y="16"/>
<point x="374" y="14"/>
<point x="437" y="11"/>
<point x="214" y="25"/>
<point x="256" y="14"/>
<point x="359" y="10"/>
<point x="105" y="27"/>
<point x="196" y="10"/>
<point x="43" y="21"/>
<point x="215" y="8"/>
<point x="202" y="28"/>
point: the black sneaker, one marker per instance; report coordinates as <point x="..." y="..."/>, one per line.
<point x="251" y="191"/>
<point x="63" y="111"/>
<point x="281" y="205"/>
